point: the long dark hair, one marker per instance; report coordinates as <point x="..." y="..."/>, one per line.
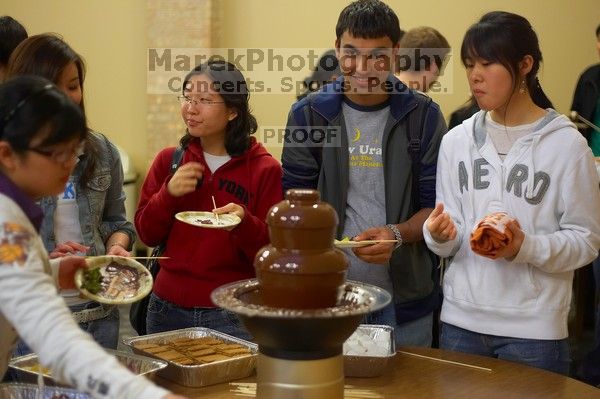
<point x="506" y="38"/>
<point x="47" y="55"/>
<point x="231" y="85"/>
<point x="29" y="104"/>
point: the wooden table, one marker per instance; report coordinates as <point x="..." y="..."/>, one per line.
<point x="410" y="375"/>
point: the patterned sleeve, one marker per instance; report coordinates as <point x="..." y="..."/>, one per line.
<point x="30" y="303"/>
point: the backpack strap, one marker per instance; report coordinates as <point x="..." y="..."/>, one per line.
<point x="157" y="251"/>
<point x="315" y="120"/>
<point x="419" y="115"/>
<point x="177" y="157"/>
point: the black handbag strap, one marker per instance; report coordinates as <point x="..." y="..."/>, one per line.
<point x="157" y="251"/>
<point x="419" y="115"/>
<point x="177" y="157"/>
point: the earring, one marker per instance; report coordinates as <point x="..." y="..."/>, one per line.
<point x="523" y="87"/>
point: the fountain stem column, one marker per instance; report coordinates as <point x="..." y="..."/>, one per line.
<point x="307" y="379"/>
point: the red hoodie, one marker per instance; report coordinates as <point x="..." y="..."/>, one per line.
<point x="201" y="260"/>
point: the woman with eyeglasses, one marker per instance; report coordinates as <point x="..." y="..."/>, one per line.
<point x="220" y="159"/>
<point x="40" y="132"/>
<point x="88" y="217"/>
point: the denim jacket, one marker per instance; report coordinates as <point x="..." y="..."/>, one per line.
<point x="101" y="202"/>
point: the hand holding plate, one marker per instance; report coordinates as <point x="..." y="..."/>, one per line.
<point x="67" y="268"/>
<point x="379" y="253"/>
<point x="232" y="209"/>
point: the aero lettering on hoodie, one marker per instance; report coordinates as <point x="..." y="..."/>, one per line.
<point x="515" y="182"/>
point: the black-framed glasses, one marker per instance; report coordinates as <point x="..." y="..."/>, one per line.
<point x="185" y="100"/>
<point x="62" y="155"/>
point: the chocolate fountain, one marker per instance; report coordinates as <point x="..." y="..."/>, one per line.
<point x="300" y="309"/>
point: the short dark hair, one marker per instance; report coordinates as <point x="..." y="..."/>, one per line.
<point x="11" y="34"/>
<point x="231" y="85"/>
<point x="368" y="19"/>
<point x="30" y="103"/>
<point x="598" y="31"/>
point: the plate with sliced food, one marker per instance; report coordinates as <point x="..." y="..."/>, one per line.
<point x="208" y="219"/>
<point x="114" y="280"/>
<point x="346" y="242"/>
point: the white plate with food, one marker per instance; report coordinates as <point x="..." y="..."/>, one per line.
<point x="208" y="219"/>
<point x="114" y="280"/>
<point x="348" y="243"/>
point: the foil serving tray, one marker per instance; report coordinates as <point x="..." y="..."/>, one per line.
<point x="364" y="362"/>
<point x="203" y="374"/>
<point x="140" y="365"/>
<point x="30" y="391"/>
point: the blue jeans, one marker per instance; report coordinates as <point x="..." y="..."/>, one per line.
<point x="413" y="333"/>
<point x="105" y="331"/>
<point x="551" y="355"/>
<point x="166" y="316"/>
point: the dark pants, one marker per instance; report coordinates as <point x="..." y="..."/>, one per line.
<point x="166" y="316"/>
<point x="590" y="366"/>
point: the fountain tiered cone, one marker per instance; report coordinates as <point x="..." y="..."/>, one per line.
<point x="300" y="309"/>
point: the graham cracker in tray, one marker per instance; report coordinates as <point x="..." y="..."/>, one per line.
<point x="193" y="351"/>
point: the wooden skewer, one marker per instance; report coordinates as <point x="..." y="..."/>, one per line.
<point x="447" y="361"/>
<point x="249" y="390"/>
<point x="131" y="257"/>
<point x="364" y="241"/>
<point x="215" y="206"/>
<point x="350" y="391"/>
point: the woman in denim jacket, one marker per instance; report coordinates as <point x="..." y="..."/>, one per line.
<point x="89" y="216"/>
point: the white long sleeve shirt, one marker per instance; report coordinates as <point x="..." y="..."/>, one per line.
<point x="548" y="182"/>
<point x="31" y="308"/>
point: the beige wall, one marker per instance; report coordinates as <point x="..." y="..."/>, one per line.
<point x="565" y="29"/>
<point x="110" y="34"/>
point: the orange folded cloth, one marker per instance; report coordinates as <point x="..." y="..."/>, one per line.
<point x="491" y="233"/>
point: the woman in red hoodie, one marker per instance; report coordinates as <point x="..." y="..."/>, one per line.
<point x="221" y="159"/>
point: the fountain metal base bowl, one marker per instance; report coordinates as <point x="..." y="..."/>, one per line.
<point x="300" y="351"/>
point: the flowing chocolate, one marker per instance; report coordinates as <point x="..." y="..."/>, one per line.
<point x="301" y="269"/>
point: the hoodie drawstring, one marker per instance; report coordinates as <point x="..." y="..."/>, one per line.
<point x="531" y="175"/>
